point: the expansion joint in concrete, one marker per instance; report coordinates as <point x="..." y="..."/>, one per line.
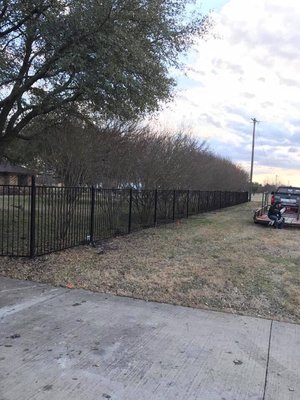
<point x="268" y="361"/>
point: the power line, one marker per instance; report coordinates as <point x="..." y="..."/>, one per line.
<point x="266" y="153"/>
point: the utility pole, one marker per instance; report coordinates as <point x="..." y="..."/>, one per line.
<point x="252" y="157"/>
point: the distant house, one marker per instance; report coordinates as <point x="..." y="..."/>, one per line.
<point x="14" y="175"/>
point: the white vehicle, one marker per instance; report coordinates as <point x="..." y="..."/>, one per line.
<point x="288" y="196"/>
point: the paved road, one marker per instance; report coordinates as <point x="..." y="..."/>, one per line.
<point x="57" y="344"/>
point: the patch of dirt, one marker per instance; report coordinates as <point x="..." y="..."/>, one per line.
<point x="217" y="260"/>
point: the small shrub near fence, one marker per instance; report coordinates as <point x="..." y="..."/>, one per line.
<point x="37" y="220"/>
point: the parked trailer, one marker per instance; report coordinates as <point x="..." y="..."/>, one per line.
<point x="291" y="214"/>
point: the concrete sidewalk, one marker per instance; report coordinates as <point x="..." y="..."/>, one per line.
<point x="57" y="344"/>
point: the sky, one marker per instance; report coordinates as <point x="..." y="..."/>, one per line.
<point x="248" y="68"/>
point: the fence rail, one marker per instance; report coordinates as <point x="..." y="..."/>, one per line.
<point x="37" y="220"/>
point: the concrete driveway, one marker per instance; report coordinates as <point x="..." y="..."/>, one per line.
<point x="57" y="344"/>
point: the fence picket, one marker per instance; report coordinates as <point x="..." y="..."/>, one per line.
<point x="40" y="220"/>
<point x="32" y="249"/>
<point x="130" y="211"/>
<point x="92" y="214"/>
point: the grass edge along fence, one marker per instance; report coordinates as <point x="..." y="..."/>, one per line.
<point x="38" y="220"/>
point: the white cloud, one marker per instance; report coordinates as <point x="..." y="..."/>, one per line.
<point x="252" y="69"/>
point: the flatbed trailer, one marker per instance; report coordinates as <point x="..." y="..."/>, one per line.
<point x="291" y="215"/>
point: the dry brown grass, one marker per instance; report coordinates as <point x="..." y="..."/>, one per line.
<point x="218" y="260"/>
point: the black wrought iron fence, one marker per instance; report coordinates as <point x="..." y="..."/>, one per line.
<point x="37" y="220"/>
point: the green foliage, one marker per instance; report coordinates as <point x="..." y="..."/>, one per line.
<point x="256" y="187"/>
<point x="111" y="55"/>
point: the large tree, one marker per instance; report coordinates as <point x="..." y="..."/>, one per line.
<point x="111" y="56"/>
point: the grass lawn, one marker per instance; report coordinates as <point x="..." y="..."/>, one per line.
<point x="219" y="260"/>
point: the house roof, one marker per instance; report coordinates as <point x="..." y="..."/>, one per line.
<point x="7" y="167"/>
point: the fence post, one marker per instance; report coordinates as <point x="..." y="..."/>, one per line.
<point x="130" y="210"/>
<point x="155" y="207"/>
<point x="174" y="202"/>
<point x="207" y="201"/>
<point x="32" y="249"/>
<point x="92" y="218"/>
<point x="187" y="203"/>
